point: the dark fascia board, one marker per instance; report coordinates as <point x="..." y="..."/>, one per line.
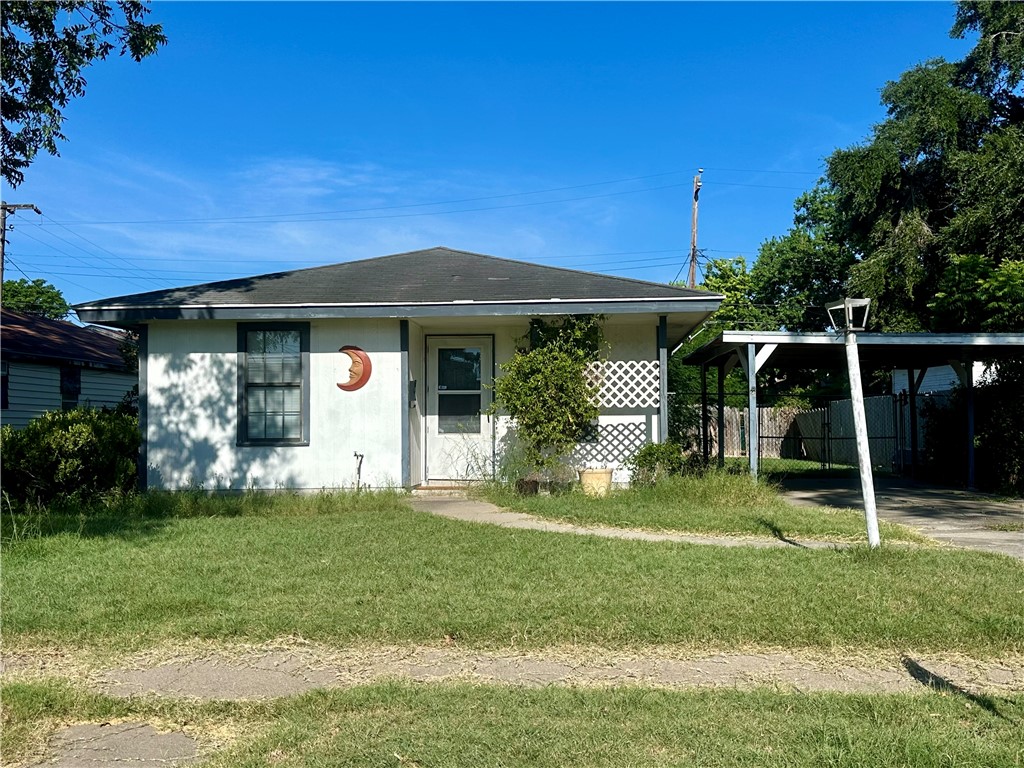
<point x="130" y="315"/>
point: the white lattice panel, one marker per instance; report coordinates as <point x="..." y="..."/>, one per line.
<point x="626" y="383"/>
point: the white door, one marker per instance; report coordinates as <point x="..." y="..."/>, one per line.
<point x="460" y="437"/>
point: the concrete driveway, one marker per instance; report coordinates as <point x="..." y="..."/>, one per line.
<point x="962" y="518"/>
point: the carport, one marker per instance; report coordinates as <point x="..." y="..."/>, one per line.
<point x="914" y="352"/>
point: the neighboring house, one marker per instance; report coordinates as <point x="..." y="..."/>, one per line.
<point x="378" y="371"/>
<point x="52" y="365"/>
<point x="941" y="378"/>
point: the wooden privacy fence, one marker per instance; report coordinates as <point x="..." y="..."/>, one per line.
<point x="823" y="434"/>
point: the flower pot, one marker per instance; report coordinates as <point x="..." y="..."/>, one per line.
<point x="596" y="482"/>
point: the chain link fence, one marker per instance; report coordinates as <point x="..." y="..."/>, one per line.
<point x="806" y="435"/>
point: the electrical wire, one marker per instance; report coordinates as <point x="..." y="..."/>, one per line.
<point x="79" y="259"/>
<point x="281" y="218"/>
<point x="90" y="242"/>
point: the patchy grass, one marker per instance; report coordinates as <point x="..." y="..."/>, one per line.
<point x="473" y="725"/>
<point x="1006" y="527"/>
<point x="136" y="512"/>
<point x="347" y="574"/>
<point x="716" y="503"/>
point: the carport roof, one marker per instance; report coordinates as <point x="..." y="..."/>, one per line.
<point x="877" y="350"/>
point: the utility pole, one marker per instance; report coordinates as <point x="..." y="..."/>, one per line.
<point x="697" y="183"/>
<point x="9" y="208"/>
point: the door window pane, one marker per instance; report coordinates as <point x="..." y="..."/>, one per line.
<point x="458" y="368"/>
<point x="458" y="414"/>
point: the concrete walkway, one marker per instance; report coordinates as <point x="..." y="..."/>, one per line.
<point x="275" y="670"/>
<point x="961" y="518"/>
<point x="254" y="673"/>
<point x="475" y="511"/>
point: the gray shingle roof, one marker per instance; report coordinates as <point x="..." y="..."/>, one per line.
<point x="434" y="275"/>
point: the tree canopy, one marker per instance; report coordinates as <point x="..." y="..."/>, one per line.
<point x="36" y="297"/>
<point x="924" y="217"/>
<point x="931" y="204"/>
<point x="44" y="48"/>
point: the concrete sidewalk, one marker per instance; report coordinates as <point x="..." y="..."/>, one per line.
<point x="475" y="511"/>
<point x="962" y="518"/>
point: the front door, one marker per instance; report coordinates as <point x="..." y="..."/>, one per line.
<point x="460" y="437"/>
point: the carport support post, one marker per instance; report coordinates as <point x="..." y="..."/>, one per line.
<point x="912" y="397"/>
<point x="705" y="415"/>
<point x="965" y="371"/>
<point x="753" y="427"/>
<point x="860" y="426"/>
<point x="721" y="416"/>
<point x="663" y="378"/>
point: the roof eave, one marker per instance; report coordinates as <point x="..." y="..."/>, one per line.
<point x="131" y="315"/>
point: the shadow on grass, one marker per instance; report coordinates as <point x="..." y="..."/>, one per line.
<point x="938" y="683"/>
<point x="129" y="517"/>
<point x="777" y="532"/>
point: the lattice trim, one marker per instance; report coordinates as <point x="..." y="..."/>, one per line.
<point x="626" y="383"/>
<point x="615" y="443"/>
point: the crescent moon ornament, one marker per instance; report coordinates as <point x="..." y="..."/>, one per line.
<point x="359" y="370"/>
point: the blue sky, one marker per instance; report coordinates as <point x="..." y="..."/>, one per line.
<point x="270" y="136"/>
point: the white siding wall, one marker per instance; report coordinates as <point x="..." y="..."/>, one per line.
<point x="192" y="410"/>
<point x="35" y="389"/>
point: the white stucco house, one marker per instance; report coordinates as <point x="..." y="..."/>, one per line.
<point x="378" y="371"/>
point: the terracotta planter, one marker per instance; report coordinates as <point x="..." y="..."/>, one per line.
<point x="596" y="482"/>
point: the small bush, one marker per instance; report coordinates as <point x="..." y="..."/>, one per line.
<point x="77" y="454"/>
<point x="655" y="461"/>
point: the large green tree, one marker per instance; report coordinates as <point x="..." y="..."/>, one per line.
<point x="36" y="297"/>
<point x="932" y="203"/>
<point x="797" y="275"/>
<point x="44" y="49"/>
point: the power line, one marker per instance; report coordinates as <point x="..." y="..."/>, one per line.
<point x="763" y="170"/>
<point x="320" y="262"/>
<point x="90" y="242"/>
<point x="282" y="218"/>
<point x="637" y="264"/>
<point x="233" y="219"/>
<point x="48" y="274"/>
<point x="79" y="259"/>
<point x="239" y="220"/>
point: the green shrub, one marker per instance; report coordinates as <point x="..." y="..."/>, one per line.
<point x="546" y="391"/>
<point x="655" y="461"/>
<point x="77" y="454"/>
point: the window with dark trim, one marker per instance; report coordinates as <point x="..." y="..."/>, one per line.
<point x="273" y="383"/>
<point x="70" y="386"/>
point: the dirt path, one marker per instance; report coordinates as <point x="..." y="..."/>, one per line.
<point x="475" y="511"/>
<point x="258" y="672"/>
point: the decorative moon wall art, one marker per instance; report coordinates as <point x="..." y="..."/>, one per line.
<point x="359" y="370"/>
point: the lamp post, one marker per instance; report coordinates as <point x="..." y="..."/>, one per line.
<point x="850" y="316"/>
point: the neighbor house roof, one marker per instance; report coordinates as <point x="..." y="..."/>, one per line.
<point x="429" y="282"/>
<point x="25" y="336"/>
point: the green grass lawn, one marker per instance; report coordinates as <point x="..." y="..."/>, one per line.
<point x="341" y="571"/>
<point x="717" y="503"/>
<point x="473" y="725"/>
